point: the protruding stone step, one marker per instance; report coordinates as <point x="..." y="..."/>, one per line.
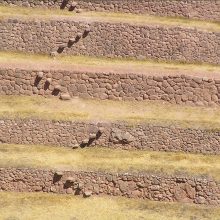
<point x="65" y="96"/>
<point x="125" y="125"/>
<point x="87" y="194"/>
<point x="159" y="39"/>
<point x="159" y="187"/>
<point x="115" y="79"/>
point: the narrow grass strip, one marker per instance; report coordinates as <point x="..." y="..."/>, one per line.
<point x="113" y="64"/>
<point x="38" y="206"/>
<point x="27" y="13"/>
<point x="106" y="110"/>
<point x="110" y="160"/>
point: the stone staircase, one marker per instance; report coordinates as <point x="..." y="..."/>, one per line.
<point x="113" y="99"/>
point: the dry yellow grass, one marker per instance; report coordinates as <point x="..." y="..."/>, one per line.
<point x="132" y="112"/>
<point x="39" y="206"/>
<point x="28" y="13"/>
<point x="105" y="159"/>
<point x="114" y="64"/>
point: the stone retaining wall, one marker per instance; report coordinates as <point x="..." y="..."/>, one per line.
<point x="147" y="186"/>
<point x="110" y="40"/>
<point x="174" y="89"/>
<point x="114" y="135"/>
<point x="199" y="9"/>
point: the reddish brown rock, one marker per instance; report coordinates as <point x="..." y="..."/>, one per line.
<point x="65" y="97"/>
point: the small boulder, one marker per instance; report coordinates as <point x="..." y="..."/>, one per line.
<point x="87" y="194"/>
<point x="53" y="189"/>
<point x="69" y="190"/>
<point x="79" y="35"/>
<point x="87" y="29"/>
<point x="57" y="87"/>
<point x="101" y="130"/>
<point x="201" y="200"/>
<point x="3" y="140"/>
<point x="80" y="186"/>
<point x="40" y="75"/>
<point x="65" y="97"/>
<point x="75" y="147"/>
<point x="70" y="179"/>
<point x="92" y="136"/>
<point x="59" y="173"/>
<point x="79" y="10"/>
<point x="53" y="54"/>
<point x="74" y="4"/>
<point x="72" y="40"/>
<point x="49" y="80"/>
<point x="85" y="141"/>
<point x="62" y="46"/>
<point x="121" y="137"/>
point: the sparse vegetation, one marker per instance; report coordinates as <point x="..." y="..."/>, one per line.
<point x="109" y="17"/>
<point x="132" y="112"/>
<point x="128" y="64"/>
<point x="47" y="206"/>
<point x="112" y="160"/>
<point x="38" y="206"/>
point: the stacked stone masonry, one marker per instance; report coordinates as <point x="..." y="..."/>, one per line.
<point x="146" y="186"/>
<point x="176" y="89"/>
<point x="122" y="135"/>
<point x="110" y="40"/>
<point x="199" y="9"/>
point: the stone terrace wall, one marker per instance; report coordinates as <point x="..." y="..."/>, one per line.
<point x="153" y="187"/>
<point x="199" y="9"/>
<point x="174" y="89"/>
<point x="114" y="135"/>
<point x="110" y="40"/>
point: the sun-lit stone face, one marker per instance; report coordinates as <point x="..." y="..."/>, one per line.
<point x="208" y="10"/>
<point x="181" y="189"/>
<point x="175" y="89"/>
<point x="116" y="40"/>
<point x="140" y="137"/>
<point x="111" y="98"/>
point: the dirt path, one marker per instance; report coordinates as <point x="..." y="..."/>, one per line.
<point x="123" y="68"/>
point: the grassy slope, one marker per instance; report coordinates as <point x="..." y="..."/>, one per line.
<point x="38" y="206"/>
<point x="104" y="159"/>
<point x="132" y="112"/>
<point x="112" y="64"/>
<point x="110" y="17"/>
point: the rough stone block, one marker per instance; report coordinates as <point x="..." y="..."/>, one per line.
<point x="65" y="97"/>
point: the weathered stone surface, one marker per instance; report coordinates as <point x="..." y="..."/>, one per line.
<point x="49" y="80"/>
<point x="65" y="97"/>
<point x="150" y="41"/>
<point x="74" y="4"/>
<point x="57" y="87"/>
<point x="181" y="90"/>
<point x="187" y="8"/>
<point x="70" y="179"/>
<point x="121" y="137"/>
<point x="53" y="53"/>
<point x="145" y="135"/>
<point x="40" y="75"/>
<point x="59" y="173"/>
<point x="92" y="136"/>
<point x="87" y="194"/>
<point x="154" y="186"/>
<point x="69" y="190"/>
